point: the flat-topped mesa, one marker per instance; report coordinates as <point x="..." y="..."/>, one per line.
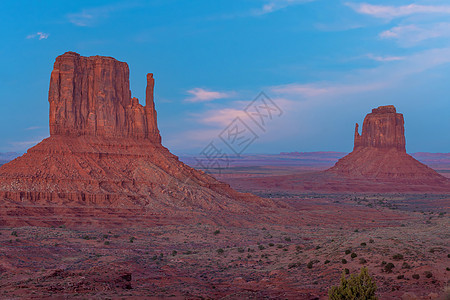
<point x="91" y="96"/>
<point x="382" y="129"/>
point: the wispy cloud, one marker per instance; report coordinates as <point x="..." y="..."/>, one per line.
<point x="39" y="35"/>
<point x="359" y="82"/>
<point x="33" y="128"/>
<point x="391" y="12"/>
<point x="222" y="117"/>
<point x="410" y="35"/>
<point x="384" y="58"/>
<point x="274" y="5"/>
<point x="202" y="95"/>
<point x="91" y="16"/>
<point x="315" y="90"/>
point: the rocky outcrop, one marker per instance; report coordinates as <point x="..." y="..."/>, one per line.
<point x="382" y="129"/>
<point x="380" y="153"/>
<point x="91" y="96"/>
<point x="105" y="150"/>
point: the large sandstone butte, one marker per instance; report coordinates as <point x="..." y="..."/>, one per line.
<point x="380" y="153"/>
<point x="105" y="150"/>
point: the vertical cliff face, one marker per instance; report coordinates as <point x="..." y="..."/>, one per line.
<point x="91" y="96"/>
<point x="382" y="129"/>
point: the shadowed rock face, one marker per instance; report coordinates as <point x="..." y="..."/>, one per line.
<point x="91" y="96"/>
<point x="380" y="153"/>
<point x="105" y="149"/>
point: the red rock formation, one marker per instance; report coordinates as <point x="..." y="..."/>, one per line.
<point x="382" y="129"/>
<point x="380" y="153"/>
<point x="91" y="96"/>
<point x="105" y="149"/>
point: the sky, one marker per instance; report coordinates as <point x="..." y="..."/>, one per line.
<point x="323" y="64"/>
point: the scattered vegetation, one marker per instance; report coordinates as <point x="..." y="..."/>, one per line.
<point x="360" y="286"/>
<point x="216" y="232"/>
<point x="353" y="255"/>
<point x="220" y="251"/>
<point x="416" y="276"/>
<point x="362" y="261"/>
<point x="347" y="251"/>
<point x="428" y="274"/>
<point x="344" y="261"/>
<point x="14" y="233"/>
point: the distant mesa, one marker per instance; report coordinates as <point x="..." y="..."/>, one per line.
<point x="380" y="152"/>
<point x="105" y="150"/>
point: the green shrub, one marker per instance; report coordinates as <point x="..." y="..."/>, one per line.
<point x="310" y="265"/>
<point x="358" y="287"/>
<point x="371" y="241"/>
<point x="347" y="251"/>
<point x="287" y="239"/>
<point x="346" y="271"/>
<point x="428" y="274"/>
<point x="362" y="261"/>
<point x="220" y="251"/>
<point x="344" y="261"/>
<point x="14" y="233"/>
<point x="174" y="252"/>
<point x="271" y="244"/>
<point x="406" y="265"/>
<point x="216" y="232"/>
<point x="400" y="276"/>
<point x="363" y="244"/>
<point x="261" y="247"/>
<point x="241" y="250"/>
<point x="327" y="262"/>
<point x="353" y="255"/>
<point x="416" y="276"/>
<point x="106" y="243"/>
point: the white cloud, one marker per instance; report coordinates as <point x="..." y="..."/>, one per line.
<point x="39" y="35"/>
<point x="222" y="117"/>
<point x="274" y="5"/>
<point x="410" y="35"/>
<point x="362" y="81"/>
<point x="384" y="58"/>
<point x="202" y="95"/>
<point x="91" y="16"/>
<point x="391" y="12"/>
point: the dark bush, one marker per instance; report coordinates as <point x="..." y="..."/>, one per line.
<point x="362" y="261"/>
<point x="416" y="276"/>
<point x="397" y="256"/>
<point x="310" y="265"/>
<point x="353" y="255"/>
<point x="388" y="267"/>
<point x="220" y="251"/>
<point x="216" y="232"/>
<point x="347" y="251"/>
<point x="428" y="274"/>
<point x="344" y="261"/>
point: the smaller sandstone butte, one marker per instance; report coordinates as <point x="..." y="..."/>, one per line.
<point x="380" y="153"/>
<point x="104" y="152"/>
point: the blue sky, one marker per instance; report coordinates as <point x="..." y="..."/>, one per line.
<point x="325" y="63"/>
